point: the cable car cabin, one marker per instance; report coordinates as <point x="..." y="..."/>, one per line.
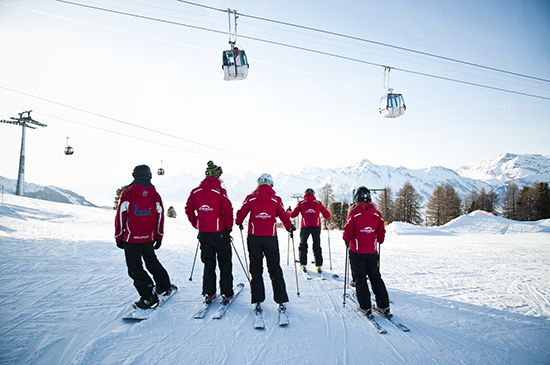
<point x="160" y="171"/>
<point x="392" y="105"/>
<point x="235" y="64"/>
<point x="69" y="150"/>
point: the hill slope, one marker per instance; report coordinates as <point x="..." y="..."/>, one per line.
<point x="65" y="288"/>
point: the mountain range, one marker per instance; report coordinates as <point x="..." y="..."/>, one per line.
<point x="492" y="175"/>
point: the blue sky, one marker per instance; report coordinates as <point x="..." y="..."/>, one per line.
<point x="296" y="109"/>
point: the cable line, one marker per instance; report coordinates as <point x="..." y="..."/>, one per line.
<point x="372" y="42"/>
<point x="128" y="123"/>
<point x="308" y="49"/>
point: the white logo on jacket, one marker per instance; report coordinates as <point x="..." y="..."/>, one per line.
<point x="310" y="211"/>
<point x="206" y="208"/>
<point x="263" y="215"/>
<point x="367" y="230"/>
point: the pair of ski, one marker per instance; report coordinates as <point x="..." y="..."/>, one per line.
<point x="323" y="275"/>
<point x="259" y="323"/>
<point x="372" y="320"/>
<point x="138" y="314"/>
<point x="220" y="312"/>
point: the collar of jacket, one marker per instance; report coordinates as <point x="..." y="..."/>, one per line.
<point x="211" y="182"/>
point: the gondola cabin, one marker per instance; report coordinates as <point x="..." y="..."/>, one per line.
<point x="68" y="149"/>
<point x="160" y="171"/>
<point x="234" y="64"/>
<point x="392" y="105"/>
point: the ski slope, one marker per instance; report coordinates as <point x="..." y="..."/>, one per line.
<point x="476" y="291"/>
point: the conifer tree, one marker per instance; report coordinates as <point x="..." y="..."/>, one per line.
<point x="510" y="203"/>
<point x="384" y="203"/>
<point x="326" y="195"/>
<point x="407" y="205"/>
<point x="443" y="206"/>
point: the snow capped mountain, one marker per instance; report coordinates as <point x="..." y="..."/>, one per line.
<point x="344" y="180"/>
<point x="492" y="175"/>
<point x="51" y="193"/>
<point x="522" y="169"/>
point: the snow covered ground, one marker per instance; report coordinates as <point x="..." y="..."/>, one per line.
<point x="475" y="291"/>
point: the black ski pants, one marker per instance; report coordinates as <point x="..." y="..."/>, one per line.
<point x="315" y="233"/>
<point x="363" y="265"/>
<point x="268" y="246"/>
<point x="216" y="246"/>
<point x="134" y="253"/>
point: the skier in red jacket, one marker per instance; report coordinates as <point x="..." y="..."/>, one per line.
<point x="264" y="207"/>
<point x="209" y="210"/>
<point x="365" y="227"/>
<point x="310" y="209"/>
<point x="139" y="226"/>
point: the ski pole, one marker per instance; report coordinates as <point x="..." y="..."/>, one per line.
<point x="295" y="269"/>
<point x="329" y="253"/>
<point x="379" y="255"/>
<point x="287" y="250"/>
<point x="346" y="276"/>
<point x="244" y="253"/>
<point x="195" y="259"/>
<point x="236" y="253"/>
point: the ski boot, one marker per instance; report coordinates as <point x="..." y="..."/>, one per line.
<point x="148" y="302"/>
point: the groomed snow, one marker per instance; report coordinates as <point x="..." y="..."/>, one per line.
<point x="475" y="291"/>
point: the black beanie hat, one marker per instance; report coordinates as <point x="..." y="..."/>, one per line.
<point x="142" y="171"/>
<point x="213" y="170"/>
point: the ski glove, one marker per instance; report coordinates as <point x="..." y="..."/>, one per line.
<point x="226" y="233"/>
<point x="157" y="243"/>
<point x="120" y="245"/>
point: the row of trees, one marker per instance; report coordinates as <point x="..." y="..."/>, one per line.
<point x="527" y="204"/>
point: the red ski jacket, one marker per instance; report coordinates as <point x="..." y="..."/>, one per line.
<point x="140" y="215"/>
<point x="310" y="208"/>
<point x="365" y="227"/>
<point x="208" y="208"/>
<point x="264" y="206"/>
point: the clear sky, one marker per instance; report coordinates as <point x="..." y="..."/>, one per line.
<point x="295" y="109"/>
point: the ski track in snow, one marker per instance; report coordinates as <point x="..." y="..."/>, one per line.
<point x="468" y="298"/>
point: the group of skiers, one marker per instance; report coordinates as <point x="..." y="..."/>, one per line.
<point x="139" y="231"/>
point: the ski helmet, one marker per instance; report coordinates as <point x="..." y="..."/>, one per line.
<point x="265" y="179"/>
<point x="310" y="191"/>
<point x="361" y="195"/>
<point x="142" y="171"/>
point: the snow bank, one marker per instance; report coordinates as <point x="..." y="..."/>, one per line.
<point x="473" y="223"/>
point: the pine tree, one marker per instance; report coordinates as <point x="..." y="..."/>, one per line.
<point x="407" y="205"/>
<point x="526" y="204"/>
<point x="384" y="202"/>
<point x="542" y="200"/>
<point x="338" y="212"/>
<point x="327" y="195"/>
<point x="117" y="196"/>
<point x="481" y="201"/>
<point x="534" y="202"/>
<point x="443" y="206"/>
<point x="510" y="203"/>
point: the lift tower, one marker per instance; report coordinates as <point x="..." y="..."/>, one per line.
<point x="25" y="121"/>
